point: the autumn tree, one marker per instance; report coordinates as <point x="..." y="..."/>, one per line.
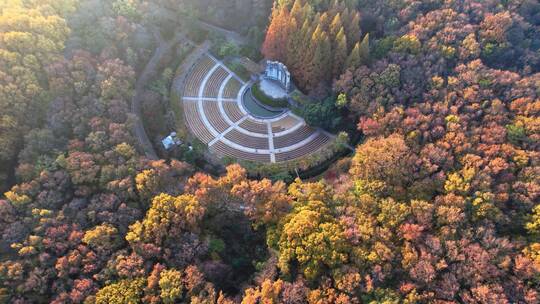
<point x="266" y="202"/>
<point x="311" y="236"/>
<point x="127" y="291"/>
<point x="340" y="52"/>
<point x="32" y="37"/>
<point x="313" y="40"/>
<point x="168" y="221"/>
<point x="277" y="34"/>
<point x="387" y="160"/>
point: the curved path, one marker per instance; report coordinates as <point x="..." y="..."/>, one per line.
<point x="230" y="35"/>
<point x="163" y="49"/>
<point x="242" y="136"/>
<point x="149" y="71"/>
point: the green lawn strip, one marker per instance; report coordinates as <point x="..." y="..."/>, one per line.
<point x="238" y="69"/>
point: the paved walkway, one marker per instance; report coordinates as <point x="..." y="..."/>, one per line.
<point x="229" y="35"/>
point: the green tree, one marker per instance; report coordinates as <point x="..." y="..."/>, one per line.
<point x="516" y="134"/>
<point x="126" y="8"/>
<point x="351" y="23"/>
<point x="228" y="49"/>
<point x="320" y="64"/>
<point x="364" y="50"/>
<point x="354" y="60"/>
<point x="341" y="100"/>
<point x="323" y="114"/>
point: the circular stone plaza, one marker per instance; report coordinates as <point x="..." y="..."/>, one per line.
<point x="214" y="101"/>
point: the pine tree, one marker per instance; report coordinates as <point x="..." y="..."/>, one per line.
<point x="354" y="61"/>
<point x="360" y="54"/>
<point x="308" y="69"/>
<point x="298" y="11"/>
<point x="277" y="34"/>
<point x="351" y="24"/>
<point x="326" y="59"/>
<point x="364" y="50"/>
<point x="270" y="48"/>
<point x="294" y="46"/>
<point x="336" y="26"/>
<point x="303" y="53"/>
<point x="306" y="54"/>
<point x="324" y="21"/>
<point x="320" y="63"/>
<point x="340" y="53"/>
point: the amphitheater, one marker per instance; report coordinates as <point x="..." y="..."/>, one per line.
<point x="215" y="114"/>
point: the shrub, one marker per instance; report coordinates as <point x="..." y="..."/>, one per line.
<point x="228" y="49"/>
<point x="239" y="70"/>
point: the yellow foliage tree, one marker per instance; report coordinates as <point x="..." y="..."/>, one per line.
<point x="167" y="218"/>
<point x="313" y="238"/>
<point x="170" y="283"/>
<point x="267" y="293"/>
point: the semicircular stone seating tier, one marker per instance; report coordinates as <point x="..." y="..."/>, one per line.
<point x="215" y="114"/>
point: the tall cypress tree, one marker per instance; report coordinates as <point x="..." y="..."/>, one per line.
<point x="336" y="26"/>
<point x="309" y="70"/>
<point x="324" y="21"/>
<point x="351" y="23"/>
<point x="354" y="61"/>
<point x="340" y="53"/>
<point x="298" y="11"/>
<point x="294" y="45"/>
<point x="320" y="65"/>
<point x="364" y="49"/>
<point x="277" y="34"/>
<point x="317" y="51"/>
<point x="269" y="47"/>
<point x="303" y="54"/>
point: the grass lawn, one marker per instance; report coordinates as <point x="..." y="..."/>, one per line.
<point x="239" y="70"/>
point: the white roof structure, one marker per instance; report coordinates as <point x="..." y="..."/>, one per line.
<point x="278" y="71"/>
<point x="171" y="141"/>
